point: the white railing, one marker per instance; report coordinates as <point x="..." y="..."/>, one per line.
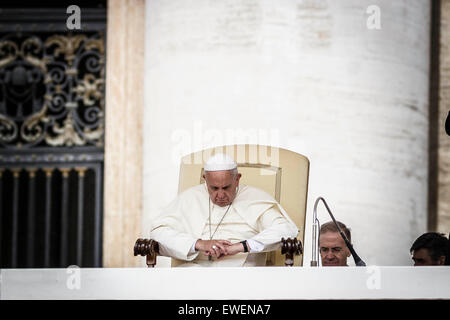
<point x="370" y="282"/>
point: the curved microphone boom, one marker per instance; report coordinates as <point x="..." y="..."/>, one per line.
<point x="315" y="232"/>
<point x="358" y="261"/>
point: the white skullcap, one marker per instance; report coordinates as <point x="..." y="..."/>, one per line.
<point x="220" y="162"/>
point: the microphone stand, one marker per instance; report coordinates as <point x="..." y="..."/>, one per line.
<point x="358" y="261"/>
<point x="315" y="232"/>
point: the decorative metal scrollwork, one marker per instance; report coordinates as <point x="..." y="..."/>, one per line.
<point x="52" y="90"/>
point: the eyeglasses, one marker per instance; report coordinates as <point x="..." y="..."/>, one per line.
<point x="334" y="250"/>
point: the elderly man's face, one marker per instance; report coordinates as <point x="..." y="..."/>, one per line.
<point x="333" y="249"/>
<point x="222" y="186"/>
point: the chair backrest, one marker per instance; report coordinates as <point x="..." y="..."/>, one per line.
<point x="280" y="172"/>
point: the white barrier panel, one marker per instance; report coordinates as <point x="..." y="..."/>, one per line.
<point x="371" y="282"/>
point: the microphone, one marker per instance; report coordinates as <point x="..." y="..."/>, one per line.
<point x="447" y="124"/>
<point x="358" y="261"/>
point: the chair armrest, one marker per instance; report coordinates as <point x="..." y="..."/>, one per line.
<point x="149" y="248"/>
<point x="291" y="247"/>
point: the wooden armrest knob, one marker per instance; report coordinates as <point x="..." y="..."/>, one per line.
<point x="291" y="247"/>
<point x="149" y="248"/>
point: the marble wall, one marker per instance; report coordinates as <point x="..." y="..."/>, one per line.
<point x="443" y="157"/>
<point x="344" y="83"/>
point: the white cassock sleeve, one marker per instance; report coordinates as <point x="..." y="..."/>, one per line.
<point x="274" y="226"/>
<point x="173" y="231"/>
<point x="173" y="243"/>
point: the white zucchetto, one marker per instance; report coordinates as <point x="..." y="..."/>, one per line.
<point x="220" y="162"/>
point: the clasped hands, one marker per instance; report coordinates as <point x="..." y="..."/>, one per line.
<point x="218" y="248"/>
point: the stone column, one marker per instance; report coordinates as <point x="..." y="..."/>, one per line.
<point x="443" y="146"/>
<point x="123" y="141"/>
<point x="344" y="83"/>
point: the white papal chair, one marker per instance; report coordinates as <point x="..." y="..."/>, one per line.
<point x="280" y="172"/>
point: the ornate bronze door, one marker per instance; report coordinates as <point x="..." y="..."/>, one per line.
<point x="52" y="110"/>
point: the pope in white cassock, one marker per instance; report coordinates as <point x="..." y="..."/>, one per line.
<point x="222" y="223"/>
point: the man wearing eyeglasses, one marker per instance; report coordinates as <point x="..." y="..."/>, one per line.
<point x="333" y="250"/>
